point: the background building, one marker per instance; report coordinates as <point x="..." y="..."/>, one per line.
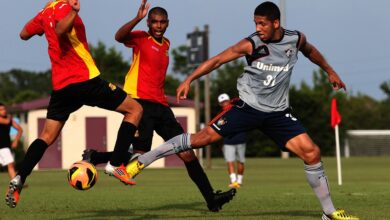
<point x="89" y="127"/>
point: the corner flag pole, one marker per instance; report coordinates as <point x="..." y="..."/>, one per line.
<point x="339" y="177"/>
<point x="335" y="119"/>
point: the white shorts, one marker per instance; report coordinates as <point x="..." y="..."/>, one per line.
<point x="6" y="156"/>
<point x="234" y="152"/>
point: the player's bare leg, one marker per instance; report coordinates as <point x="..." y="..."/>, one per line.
<point x="51" y="129"/>
<point x="304" y="147"/>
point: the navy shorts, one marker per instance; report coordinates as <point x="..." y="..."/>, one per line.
<point x="155" y="117"/>
<point x="279" y="126"/>
<point x="93" y="92"/>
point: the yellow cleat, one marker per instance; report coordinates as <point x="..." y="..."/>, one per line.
<point x="235" y="185"/>
<point x="339" y="214"/>
<point x="134" y="168"/>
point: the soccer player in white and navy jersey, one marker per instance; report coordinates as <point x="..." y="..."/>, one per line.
<point x="271" y="53"/>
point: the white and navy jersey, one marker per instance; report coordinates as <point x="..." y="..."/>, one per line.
<point x="265" y="83"/>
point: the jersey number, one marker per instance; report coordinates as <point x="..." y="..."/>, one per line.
<point x="270" y="81"/>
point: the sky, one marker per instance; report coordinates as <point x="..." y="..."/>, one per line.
<point x="353" y="35"/>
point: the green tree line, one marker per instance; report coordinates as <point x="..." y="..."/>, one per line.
<point x="310" y="103"/>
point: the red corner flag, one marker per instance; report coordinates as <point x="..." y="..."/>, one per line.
<point x="335" y="117"/>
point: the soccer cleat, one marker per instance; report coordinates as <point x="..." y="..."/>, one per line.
<point x="234" y="185"/>
<point x="120" y="173"/>
<point x="13" y="192"/>
<point x="87" y="155"/>
<point x="134" y="167"/>
<point x="339" y="214"/>
<point x="220" y="198"/>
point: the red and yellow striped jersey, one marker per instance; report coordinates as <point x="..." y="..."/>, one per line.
<point x="69" y="55"/>
<point x="146" y="77"/>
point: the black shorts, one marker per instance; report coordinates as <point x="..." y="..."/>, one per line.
<point x="279" y="126"/>
<point x="155" y="117"/>
<point x="94" y="92"/>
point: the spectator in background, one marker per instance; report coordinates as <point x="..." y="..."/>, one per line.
<point x="233" y="148"/>
<point x="6" y="157"/>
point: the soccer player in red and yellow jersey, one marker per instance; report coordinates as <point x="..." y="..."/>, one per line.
<point x="76" y="82"/>
<point x="145" y="83"/>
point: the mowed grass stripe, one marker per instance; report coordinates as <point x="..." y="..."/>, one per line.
<point x="273" y="189"/>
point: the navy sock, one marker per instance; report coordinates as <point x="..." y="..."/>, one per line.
<point x="199" y="177"/>
<point x="33" y="156"/>
<point x="100" y="157"/>
<point x="104" y="157"/>
<point x="123" y="141"/>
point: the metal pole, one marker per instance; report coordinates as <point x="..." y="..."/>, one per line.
<point x="197" y="105"/>
<point x="197" y="112"/>
<point x="346" y="148"/>
<point x="282" y="7"/>
<point x="207" y="95"/>
<point x="339" y="176"/>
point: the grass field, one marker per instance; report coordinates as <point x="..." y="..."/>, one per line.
<point x="273" y="189"/>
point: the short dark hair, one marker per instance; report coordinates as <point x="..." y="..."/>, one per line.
<point x="269" y="10"/>
<point x="159" y="11"/>
<point x="2" y="104"/>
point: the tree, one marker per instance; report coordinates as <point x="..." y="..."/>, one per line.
<point x="20" y="85"/>
<point x="110" y="63"/>
<point x="311" y="104"/>
<point x="385" y="87"/>
<point x="180" y="65"/>
<point x="225" y="81"/>
<point x="384" y="108"/>
<point x="171" y="83"/>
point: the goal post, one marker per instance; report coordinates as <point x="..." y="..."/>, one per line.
<point x="367" y="143"/>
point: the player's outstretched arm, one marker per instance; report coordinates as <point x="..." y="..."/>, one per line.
<point x="24" y="34"/>
<point x="238" y="50"/>
<point x="123" y="33"/>
<point x="316" y="57"/>
<point x="33" y="27"/>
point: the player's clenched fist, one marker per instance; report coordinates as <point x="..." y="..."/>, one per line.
<point x="75" y="4"/>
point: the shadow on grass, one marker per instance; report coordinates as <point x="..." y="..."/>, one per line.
<point x="141" y="213"/>
<point x="186" y="210"/>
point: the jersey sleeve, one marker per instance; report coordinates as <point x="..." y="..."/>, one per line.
<point x="135" y="38"/>
<point x="61" y="10"/>
<point x="250" y="38"/>
<point x="35" y="25"/>
<point x="299" y="39"/>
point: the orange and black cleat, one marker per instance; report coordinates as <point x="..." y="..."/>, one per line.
<point x="13" y="192"/>
<point x="120" y="173"/>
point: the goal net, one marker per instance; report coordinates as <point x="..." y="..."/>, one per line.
<point x="367" y="143"/>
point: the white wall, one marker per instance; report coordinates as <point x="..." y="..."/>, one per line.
<point x="74" y="136"/>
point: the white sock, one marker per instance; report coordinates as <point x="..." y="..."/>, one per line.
<point x="317" y="180"/>
<point x="174" y="145"/>
<point x="233" y="177"/>
<point x="239" y="179"/>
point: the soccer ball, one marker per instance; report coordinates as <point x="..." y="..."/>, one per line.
<point x="82" y="175"/>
